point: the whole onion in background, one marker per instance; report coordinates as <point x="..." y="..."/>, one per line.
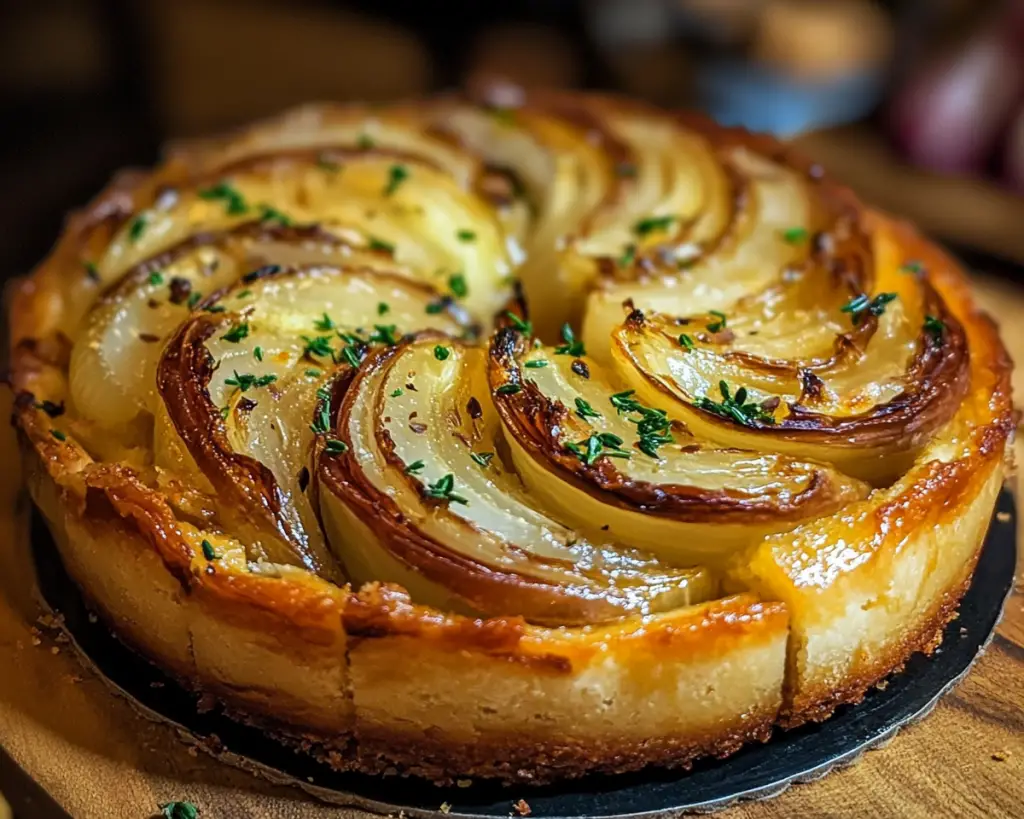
<point x="951" y="115"/>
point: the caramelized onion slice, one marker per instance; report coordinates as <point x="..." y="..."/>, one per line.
<point x="240" y="389"/>
<point x="894" y="374"/>
<point x="603" y="458"/>
<point x="407" y="210"/>
<point x="424" y="497"/>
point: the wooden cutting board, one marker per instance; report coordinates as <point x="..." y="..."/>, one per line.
<point x="70" y="743"/>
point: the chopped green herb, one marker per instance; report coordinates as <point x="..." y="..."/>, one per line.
<point x="379" y="244"/>
<point x="652" y="425"/>
<point x="795" y="235"/>
<point x="324" y="324"/>
<point x="604" y="444"/>
<point x="215" y="308"/>
<point x="322" y="419"/>
<point x="435" y="307"/>
<point x="137" y="227"/>
<point x="653" y="224"/>
<point x="91" y="271"/>
<point x="384" y="334"/>
<point x="246" y="381"/>
<point x="257" y="353"/>
<point x="508" y="389"/>
<point x="414" y="467"/>
<point x="272" y="214"/>
<point x="624" y="402"/>
<point x="208" y="551"/>
<point x="442" y="490"/>
<point x="628" y="256"/>
<point x="382" y="308"/>
<point x="225" y="411"/>
<point x="721" y="323"/>
<point x="313" y="372"/>
<point x="536" y="363"/>
<point x="335" y="447"/>
<point x="244" y="294"/>
<point x="234" y="202"/>
<point x="521" y="325"/>
<point x="397" y="174"/>
<point x="441" y="353"/>
<point x="52" y="409"/>
<point x="572" y="346"/>
<point x="735" y="407"/>
<point x="859" y="305"/>
<point x="685" y="341"/>
<point x="237" y="333"/>
<point x="913" y="266"/>
<point x="464" y="235"/>
<point x="585" y="411"/>
<point x="935" y="326"/>
<point x="194" y="298"/>
<point x="156" y="278"/>
<point x="457" y="283"/>
<point x="60" y="436"/>
<point x="353" y="355"/>
<point x="397" y="392"/>
<point x="179" y="810"/>
<point x="317" y="345"/>
<point x="482" y="458"/>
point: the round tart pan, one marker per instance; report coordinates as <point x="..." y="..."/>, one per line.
<point x="756" y="772"/>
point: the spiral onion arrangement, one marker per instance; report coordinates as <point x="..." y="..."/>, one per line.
<point x="548" y="382"/>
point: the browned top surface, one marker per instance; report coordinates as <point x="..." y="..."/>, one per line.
<point x="98" y="758"/>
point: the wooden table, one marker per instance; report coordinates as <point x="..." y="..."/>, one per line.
<point x="96" y="757"/>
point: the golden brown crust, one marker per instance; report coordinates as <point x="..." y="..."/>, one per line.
<point x="368" y="680"/>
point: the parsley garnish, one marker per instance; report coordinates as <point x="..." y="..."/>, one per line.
<point x="179" y="810"/>
<point x="257" y="353"/>
<point x="156" y="278"/>
<point x="60" y="436"/>
<point x="246" y="381"/>
<point x="508" y="389"/>
<point x="572" y="345"/>
<point x="685" y="342"/>
<point x="536" y="363"/>
<point x="317" y="345"/>
<point x="312" y="373"/>
<point x="322" y="420"/>
<point x="913" y="266"/>
<point x="652" y="426"/>
<point x="457" y="283"/>
<point x="442" y="490"/>
<point x="628" y="256"/>
<point x="935" y="326"/>
<point x="384" y="334"/>
<point x="237" y="333"/>
<point x="382" y="308"/>
<point x="795" y="235"/>
<point x="234" y="202"/>
<point x="441" y="353"/>
<point x="380" y="244"/>
<point x="91" y="271"/>
<point x="397" y="392"/>
<point x="652" y="224"/>
<point x="352" y="354"/>
<point x="324" y="324"/>
<point x="272" y="214"/>
<point x="602" y="444"/>
<point x="244" y="294"/>
<point x="721" y="324"/>
<point x="585" y="411"/>
<point x="521" y="325"/>
<point x="482" y="458"/>
<point x="465" y="235"/>
<point x="735" y="407"/>
<point x="137" y="227"/>
<point x="208" y="551"/>
<point x="215" y="308"/>
<point x="335" y="447"/>
<point x="859" y="305"/>
<point x="194" y="298"/>
<point x="396" y="176"/>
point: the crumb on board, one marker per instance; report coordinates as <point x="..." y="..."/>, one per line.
<point x="1001" y="756"/>
<point x="522" y="807"/>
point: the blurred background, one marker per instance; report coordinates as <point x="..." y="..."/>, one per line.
<point x="917" y="103"/>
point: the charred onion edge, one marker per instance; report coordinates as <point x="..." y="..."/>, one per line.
<point x="535" y="422"/>
<point x="485" y="588"/>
